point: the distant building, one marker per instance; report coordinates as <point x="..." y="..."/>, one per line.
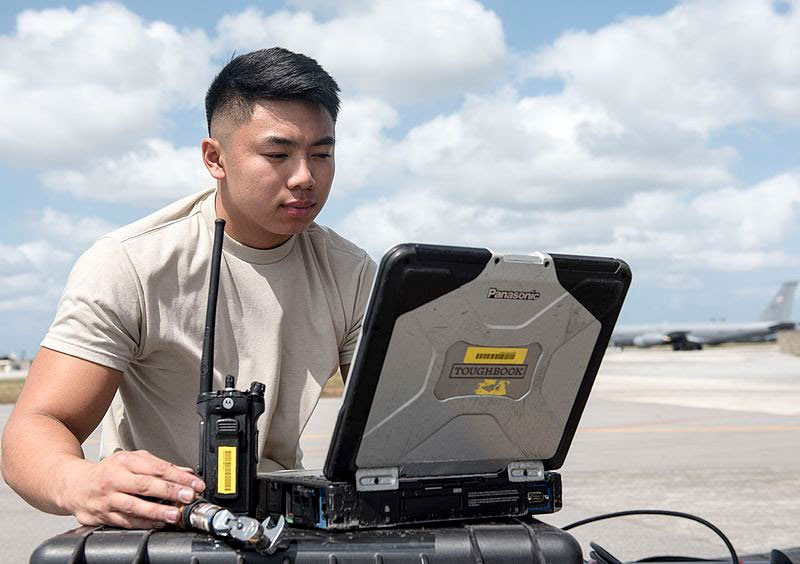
<point x="11" y="363"/>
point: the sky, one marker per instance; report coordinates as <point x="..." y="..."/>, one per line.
<point x="665" y="133"/>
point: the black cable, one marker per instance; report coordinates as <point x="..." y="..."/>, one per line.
<point x="602" y="555"/>
<point x="734" y="557"/>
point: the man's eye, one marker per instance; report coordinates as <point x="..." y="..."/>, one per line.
<point x="276" y="155"/>
<point x="322" y="155"/>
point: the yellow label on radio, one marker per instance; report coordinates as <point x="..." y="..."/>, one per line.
<point x="495" y="355"/>
<point x="492" y="387"/>
<point x="226" y="470"/>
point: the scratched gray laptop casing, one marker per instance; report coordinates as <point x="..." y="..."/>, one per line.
<point x="430" y="416"/>
<point x="427" y="419"/>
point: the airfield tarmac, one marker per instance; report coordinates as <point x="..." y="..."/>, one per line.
<point x="715" y="433"/>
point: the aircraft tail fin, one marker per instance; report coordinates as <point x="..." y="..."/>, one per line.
<point x="780" y="307"/>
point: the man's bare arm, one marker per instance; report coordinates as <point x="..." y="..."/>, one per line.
<point x="63" y="400"/>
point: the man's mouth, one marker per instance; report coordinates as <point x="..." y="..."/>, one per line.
<point x="300" y="204"/>
<point x="299" y="208"/>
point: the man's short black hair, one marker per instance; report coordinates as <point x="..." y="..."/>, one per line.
<point x="269" y="74"/>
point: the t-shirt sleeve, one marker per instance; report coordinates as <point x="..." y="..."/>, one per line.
<point x="365" y="280"/>
<point x="99" y="317"/>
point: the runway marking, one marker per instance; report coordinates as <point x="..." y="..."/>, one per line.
<point x="706" y="429"/>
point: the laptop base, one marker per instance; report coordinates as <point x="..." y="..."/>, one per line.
<point x="313" y="501"/>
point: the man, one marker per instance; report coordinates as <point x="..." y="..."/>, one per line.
<point x="127" y="337"/>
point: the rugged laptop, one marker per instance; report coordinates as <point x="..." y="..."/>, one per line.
<point x="467" y="385"/>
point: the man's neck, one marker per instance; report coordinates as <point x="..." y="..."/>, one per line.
<point x="255" y="238"/>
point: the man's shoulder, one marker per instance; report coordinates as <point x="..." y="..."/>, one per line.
<point x="161" y="222"/>
<point x="148" y="243"/>
<point x="324" y="240"/>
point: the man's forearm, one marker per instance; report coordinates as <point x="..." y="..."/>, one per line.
<point x="63" y="400"/>
<point x="39" y="455"/>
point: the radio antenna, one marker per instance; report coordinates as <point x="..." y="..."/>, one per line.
<point x="207" y="360"/>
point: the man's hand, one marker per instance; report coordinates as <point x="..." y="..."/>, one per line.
<point x="63" y="400"/>
<point x="111" y="491"/>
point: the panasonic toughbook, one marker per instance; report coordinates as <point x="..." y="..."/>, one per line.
<point x="467" y="385"/>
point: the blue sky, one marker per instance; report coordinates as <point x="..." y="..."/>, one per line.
<point x="665" y="133"/>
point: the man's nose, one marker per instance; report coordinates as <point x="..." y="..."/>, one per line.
<point x="301" y="177"/>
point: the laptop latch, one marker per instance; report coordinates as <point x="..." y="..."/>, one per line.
<point x="377" y="479"/>
<point x="526" y="471"/>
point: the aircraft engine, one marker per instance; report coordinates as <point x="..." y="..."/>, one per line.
<point x="650" y="340"/>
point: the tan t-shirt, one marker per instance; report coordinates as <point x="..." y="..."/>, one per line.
<point x="287" y="317"/>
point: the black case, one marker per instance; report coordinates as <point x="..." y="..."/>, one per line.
<point x="503" y="542"/>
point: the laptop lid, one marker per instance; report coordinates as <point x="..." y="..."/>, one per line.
<point x="470" y="360"/>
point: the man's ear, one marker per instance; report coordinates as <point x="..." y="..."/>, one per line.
<point x="212" y="157"/>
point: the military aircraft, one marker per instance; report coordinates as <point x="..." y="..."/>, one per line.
<point x="692" y="336"/>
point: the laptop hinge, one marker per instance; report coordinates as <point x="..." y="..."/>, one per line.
<point x="377" y="479"/>
<point x="526" y="471"/>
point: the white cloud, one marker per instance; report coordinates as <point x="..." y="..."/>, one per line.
<point x="363" y="150"/>
<point x="666" y="236"/>
<point x="95" y="78"/>
<point x="32" y="275"/>
<point x="700" y="66"/>
<point x="552" y="151"/>
<point x="154" y="172"/>
<point x="76" y="232"/>
<point x="752" y="218"/>
<point x="31" y="256"/>
<point x="12" y="285"/>
<point x="619" y="163"/>
<point x="423" y="216"/>
<point x="397" y="50"/>
<point x="535" y="153"/>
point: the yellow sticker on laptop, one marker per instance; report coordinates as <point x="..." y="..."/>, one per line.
<point x="492" y="387"/>
<point x="495" y="355"/>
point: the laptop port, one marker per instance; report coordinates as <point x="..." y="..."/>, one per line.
<point x="537" y="498"/>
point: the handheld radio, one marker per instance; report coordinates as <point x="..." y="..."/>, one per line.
<point x="228" y="434"/>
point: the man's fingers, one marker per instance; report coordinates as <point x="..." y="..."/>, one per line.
<point x="149" y="486"/>
<point x="136" y="508"/>
<point x="145" y="464"/>
<point x="154" y="457"/>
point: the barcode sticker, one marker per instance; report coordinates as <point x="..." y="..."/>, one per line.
<point x="495" y="355"/>
<point x="226" y="470"/>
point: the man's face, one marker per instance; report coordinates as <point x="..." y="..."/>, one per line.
<point x="278" y="169"/>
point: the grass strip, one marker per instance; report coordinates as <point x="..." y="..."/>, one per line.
<point x="9" y="390"/>
<point x="334" y="387"/>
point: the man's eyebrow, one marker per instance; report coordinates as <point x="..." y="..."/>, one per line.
<point x="327" y="140"/>
<point x="277" y="140"/>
